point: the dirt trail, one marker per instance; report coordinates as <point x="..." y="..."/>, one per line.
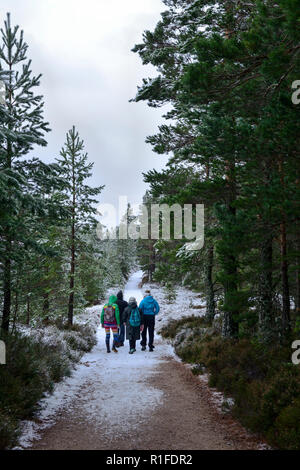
<point x="145" y="401"/>
<point x="187" y="419"/>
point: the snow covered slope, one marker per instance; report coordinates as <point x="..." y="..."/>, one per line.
<point x="186" y="304"/>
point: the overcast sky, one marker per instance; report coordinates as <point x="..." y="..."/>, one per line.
<point x="83" y="50"/>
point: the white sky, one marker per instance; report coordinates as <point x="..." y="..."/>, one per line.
<point x="83" y="50"/>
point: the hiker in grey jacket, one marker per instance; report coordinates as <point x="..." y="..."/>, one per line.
<point x="133" y="332"/>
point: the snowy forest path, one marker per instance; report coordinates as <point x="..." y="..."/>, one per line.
<point x="142" y="401"/>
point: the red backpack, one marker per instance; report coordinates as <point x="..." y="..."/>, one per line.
<point x="109" y="314"/>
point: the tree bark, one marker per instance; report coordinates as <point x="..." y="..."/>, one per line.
<point x="297" y="297"/>
<point x="151" y="260"/>
<point x="266" y="308"/>
<point x="6" y="290"/>
<point x="16" y="308"/>
<point x="210" y="294"/>
<point x="7" y="263"/>
<point x="209" y="288"/>
<point x="297" y="244"/>
<point x="46" y="294"/>
<point x="28" y="311"/>
<point x="72" y="270"/>
<point x="46" y="303"/>
<point x="286" y="306"/>
<point x="72" y="274"/>
<point x="230" y="324"/>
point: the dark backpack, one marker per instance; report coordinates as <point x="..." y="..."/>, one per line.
<point x="109" y="314"/>
<point x="135" y="317"/>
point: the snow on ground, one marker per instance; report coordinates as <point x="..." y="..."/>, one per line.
<point x="70" y="344"/>
<point x="186" y="304"/>
<point x="108" y="390"/>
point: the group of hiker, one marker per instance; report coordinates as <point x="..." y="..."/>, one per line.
<point x="138" y="320"/>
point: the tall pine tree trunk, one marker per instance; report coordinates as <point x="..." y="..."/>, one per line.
<point x="209" y="287"/>
<point x="46" y="303"/>
<point x="6" y="288"/>
<point x="46" y="294"/>
<point x="286" y="306"/>
<point x="16" y="308"/>
<point x="28" y="310"/>
<point x="230" y="327"/>
<point x="210" y="294"/>
<point x="7" y="263"/>
<point x="72" y="274"/>
<point x="297" y="297"/>
<point x="151" y="261"/>
<point x="266" y="310"/>
<point x="8" y="246"/>
<point x="297" y="244"/>
<point x="150" y="270"/>
<point x="265" y="288"/>
<point x="72" y="270"/>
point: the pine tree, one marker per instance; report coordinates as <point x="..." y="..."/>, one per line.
<point x="226" y="70"/>
<point x="22" y="126"/>
<point x="80" y="201"/>
<point x="126" y="246"/>
<point x="146" y="253"/>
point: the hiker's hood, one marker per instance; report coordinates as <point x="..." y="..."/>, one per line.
<point x="120" y="295"/>
<point x="148" y="301"/>
<point x="112" y="300"/>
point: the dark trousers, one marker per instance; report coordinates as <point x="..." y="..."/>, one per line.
<point x="122" y="333"/>
<point x="149" y="324"/>
<point x="132" y="343"/>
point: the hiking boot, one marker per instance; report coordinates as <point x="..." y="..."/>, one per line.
<point x="108" y="351"/>
<point x="151" y="348"/>
<point x="120" y="345"/>
<point x="143" y="348"/>
<point x="132" y="351"/>
<point x="114" y="349"/>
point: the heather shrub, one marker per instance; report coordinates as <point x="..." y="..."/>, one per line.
<point x="9" y="432"/>
<point x="285" y="433"/>
<point x="80" y="338"/>
<point x="36" y="360"/>
<point x="174" y="326"/>
<point x="263" y="382"/>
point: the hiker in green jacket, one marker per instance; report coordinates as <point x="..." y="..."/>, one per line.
<point x="110" y="320"/>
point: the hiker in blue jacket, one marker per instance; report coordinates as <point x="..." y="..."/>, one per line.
<point x="150" y="308"/>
